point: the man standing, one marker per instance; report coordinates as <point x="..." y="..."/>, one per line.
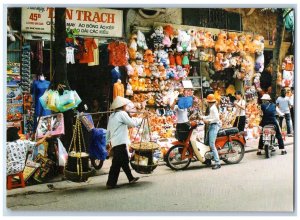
<point x="284" y="104"/>
<point x="214" y="124"/>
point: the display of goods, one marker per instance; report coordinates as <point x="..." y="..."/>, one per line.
<point x="14" y="112"/>
<point x="145" y="146"/>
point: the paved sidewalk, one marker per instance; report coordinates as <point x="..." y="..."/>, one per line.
<point x="60" y="183"/>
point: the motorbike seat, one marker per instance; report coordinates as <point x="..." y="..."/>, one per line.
<point x="227" y="131"/>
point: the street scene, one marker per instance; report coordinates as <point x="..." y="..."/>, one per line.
<point x="150" y="110"/>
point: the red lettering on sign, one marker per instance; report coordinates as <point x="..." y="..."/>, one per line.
<point x="87" y="15"/>
<point x="69" y="14"/>
<point x="78" y="12"/>
<point x="110" y="18"/>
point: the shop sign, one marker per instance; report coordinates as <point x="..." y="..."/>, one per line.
<point x="88" y="21"/>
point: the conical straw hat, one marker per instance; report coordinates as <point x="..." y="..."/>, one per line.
<point x="119" y="102"/>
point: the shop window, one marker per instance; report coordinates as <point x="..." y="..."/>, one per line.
<point x="212" y="18"/>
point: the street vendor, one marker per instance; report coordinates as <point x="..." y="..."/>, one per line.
<point x="16" y="150"/>
<point x="117" y="137"/>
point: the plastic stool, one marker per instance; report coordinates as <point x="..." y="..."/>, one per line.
<point x="11" y="183"/>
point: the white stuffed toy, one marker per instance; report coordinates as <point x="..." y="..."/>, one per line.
<point x="129" y="91"/>
<point x="287" y="78"/>
<point x="184" y="41"/>
<point x="163" y="57"/>
<point x="141" y="40"/>
<point x="259" y="62"/>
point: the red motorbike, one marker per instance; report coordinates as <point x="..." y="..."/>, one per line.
<point x="230" y="144"/>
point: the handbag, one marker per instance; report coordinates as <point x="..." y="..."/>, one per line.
<point x="44" y="99"/>
<point x="66" y="101"/>
<point x="53" y="100"/>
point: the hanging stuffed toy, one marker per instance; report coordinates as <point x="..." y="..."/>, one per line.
<point x="287" y="64"/>
<point x="231" y="43"/>
<point x="194" y="39"/>
<point x="220" y="45"/>
<point x="241" y="42"/>
<point x="163" y="58"/>
<point x="147" y="70"/>
<point x="248" y="47"/>
<point x="184" y="41"/>
<point x="168" y="35"/>
<point x="200" y="38"/>
<point x="171" y="58"/>
<point x="208" y="40"/>
<point x="178" y="58"/>
<point x="218" y="62"/>
<point x="258" y="44"/>
<point x="185" y="60"/>
<point x="157" y="37"/>
<point x="149" y="56"/>
<point x="259" y="62"/>
<point x="141" y="40"/>
<point x="132" y="46"/>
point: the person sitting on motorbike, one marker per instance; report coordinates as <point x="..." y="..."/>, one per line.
<point x="269" y="117"/>
<point x="213" y="120"/>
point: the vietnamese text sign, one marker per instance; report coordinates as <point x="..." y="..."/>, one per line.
<point x="88" y="21"/>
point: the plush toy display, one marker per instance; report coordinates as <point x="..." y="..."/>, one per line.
<point x="133" y="71"/>
<point x="140" y="68"/>
<point x="154" y="71"/>
<point x="256" y="81"/>
<point x="147" y="70"/>
<point x="241" y="42"/>
<point x="200" y="38"/>
<point x="129" y="91"/>
<point x="134" y="82"/>
<point x="178" y="59"/>
<point x="259" y="62"/>
<point x="162" y="72"/>
<point x="232" y="42"/>
<point x="287" y="78"/>
<point x="249" y="47"/>
<point x="141" y="40"/>
<point x="258" y="44"/>
<point x="185" y="60"/>
<point x="157" y="37"/>
<point x="193" y="34"/>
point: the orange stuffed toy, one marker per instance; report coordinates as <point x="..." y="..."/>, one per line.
<point x="258" y="43"/>
<point x="241" y="42"/>
<point x="178" y="59"/>
<point x="232" y="42"/>
<point x="218" y="62"/>
<point x="171" y="58"/>
<point x="149" y="56"/>
<point x="132" y="46"/>
<point x="147" y="70"/>
<point x="248" y="47"/>
<point x="220" y="45"/>
<point x="208" y="40"/>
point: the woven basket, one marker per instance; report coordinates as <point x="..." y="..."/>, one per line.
<point x="74" y="177"/>
<point x="145" y="146"/>
<point x="142" y="169"/>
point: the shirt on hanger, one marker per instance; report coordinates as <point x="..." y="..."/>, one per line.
<point x="118" y="90"/>
<point x="70" y="55"/>
<point x="88" y="55"/>
<point x="96" y="54"/>
<point x="118" y="53"/>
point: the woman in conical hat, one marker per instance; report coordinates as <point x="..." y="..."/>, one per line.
<point x="117" y="136"/>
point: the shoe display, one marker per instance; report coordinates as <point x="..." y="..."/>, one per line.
<point x="216" y="166"/>
<point x="134" y="180"/>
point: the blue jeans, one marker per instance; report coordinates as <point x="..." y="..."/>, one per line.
<point x="211" y="140"/>
<point x="287" y="117"/>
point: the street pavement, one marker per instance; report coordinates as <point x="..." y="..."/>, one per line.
<point x="61" y="183"/>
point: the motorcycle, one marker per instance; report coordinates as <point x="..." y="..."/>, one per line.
<point x="230" y="144"/>
<point x="269" y="139"/>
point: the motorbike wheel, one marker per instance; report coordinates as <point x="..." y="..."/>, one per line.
<point x="97" y="164"/>
<point x="267" y="151"/>
<point x="173" y="158"/>
<point x="239" y="148"/>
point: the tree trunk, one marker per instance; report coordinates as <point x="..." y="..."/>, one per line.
<point x="60" y="69"/>
<point x="276" y="51"/>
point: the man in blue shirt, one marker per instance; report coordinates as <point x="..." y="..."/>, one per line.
<point x="269" y="117"/>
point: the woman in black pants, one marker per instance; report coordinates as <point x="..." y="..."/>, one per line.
<point x="240" y="105"/>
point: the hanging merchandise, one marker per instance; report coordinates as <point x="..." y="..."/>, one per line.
<point x="51" y="123"/>
<point x="77" y="166"/>
<point x="60" y="103"/>
<point x="62" y="153"/>
<point x="89" y="47"/>
<point x="118" y="53"/>
<point x="142" y="159"/>
<point x="25" y="70"/>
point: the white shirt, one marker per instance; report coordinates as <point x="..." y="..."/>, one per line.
<point x="213" y="116"/>
<point x="239" y="111"/>
<point x="70" y="55"/>
<point x="283" y="104"/>
<point x="117" y="128"/>
<point x="181" y="115"/>
<point x="292" y="100"/>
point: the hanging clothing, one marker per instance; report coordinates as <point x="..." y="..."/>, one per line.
<point x="96" y="55"/>
<point x="118" y="53"/>
<point x="89" y="46"/>
<point x="104" y="55"/>
<point x="80" y="48"/>
<point x="118" y="90"/>
<point x="115" y="75"/>
<point x="70" y="55"/>
<point x="38" y="89"/>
